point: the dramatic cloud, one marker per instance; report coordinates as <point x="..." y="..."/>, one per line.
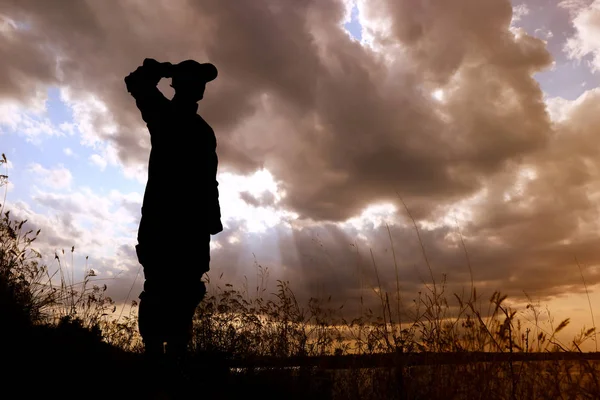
<point x="320" y="105"/>
<point x="437" y="105"/>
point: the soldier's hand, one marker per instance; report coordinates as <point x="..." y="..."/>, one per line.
<point x="135" y="80"/>
<point x="151" y="70"/>
<point x="162" y="69"/>
<point x="150" y="64"/>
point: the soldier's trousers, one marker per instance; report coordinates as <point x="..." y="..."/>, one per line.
<point x="172" y="291"/>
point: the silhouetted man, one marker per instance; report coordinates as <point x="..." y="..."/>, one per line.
<point x="181" y="208"/>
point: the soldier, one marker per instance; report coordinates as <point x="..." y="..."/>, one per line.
<point x="181" y="208"/>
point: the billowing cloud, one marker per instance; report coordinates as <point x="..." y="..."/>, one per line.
<point x="437" y="106"/>
<point x="321" y="105"/>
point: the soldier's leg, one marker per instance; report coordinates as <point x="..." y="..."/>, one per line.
<point x="191" y="292"/>
<point x="181" y="317"/>
<point x="151" y="308"/>
<point x="149" y="322"/>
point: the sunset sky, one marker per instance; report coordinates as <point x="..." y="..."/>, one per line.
<point x="481" y="115"/>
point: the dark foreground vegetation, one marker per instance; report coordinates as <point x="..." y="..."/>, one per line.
<point x="68" y="339"/>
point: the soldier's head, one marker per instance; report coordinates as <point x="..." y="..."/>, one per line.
<point x="190" y="77"/>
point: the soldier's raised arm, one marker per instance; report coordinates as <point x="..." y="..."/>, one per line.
<point x="142" y="85"/>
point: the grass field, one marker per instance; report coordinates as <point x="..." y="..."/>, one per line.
<point x="62" y="337"/>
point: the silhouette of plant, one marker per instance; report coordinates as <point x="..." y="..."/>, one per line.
<point x="246" y="324"/>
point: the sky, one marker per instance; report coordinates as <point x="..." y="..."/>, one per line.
<point x="479" y="115"/>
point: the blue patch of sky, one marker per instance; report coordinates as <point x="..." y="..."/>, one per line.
<point x="569" y="78"/>
<point x="354" y="26"/>
<point x="49" y="152"/>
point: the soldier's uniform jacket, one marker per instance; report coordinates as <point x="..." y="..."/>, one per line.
<point x="181" y="199"/>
